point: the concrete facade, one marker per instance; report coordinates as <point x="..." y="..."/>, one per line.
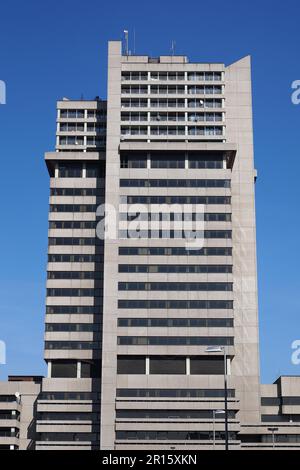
<point x="18" y="399"/>
<point x="69" y="406"/>
<point x="162" y="107"/>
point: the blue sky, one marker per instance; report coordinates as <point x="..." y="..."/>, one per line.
<point x="53" y="49"/>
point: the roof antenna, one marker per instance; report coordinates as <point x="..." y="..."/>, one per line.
<point x="173" y="44"/>
<point x="126" y="42"/>
<point x="133" y="41"/>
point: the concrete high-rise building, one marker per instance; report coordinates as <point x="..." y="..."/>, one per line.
<point x="141" y="326"/>
<point x="69" y="405"/>
<point x="179" y="133"/>
<point x="18" y="399"/>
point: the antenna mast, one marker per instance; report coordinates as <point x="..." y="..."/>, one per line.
<point x="126" y="42"/>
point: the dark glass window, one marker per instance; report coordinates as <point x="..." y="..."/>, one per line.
<point x="134" y="161"/>
<point x="167" y="365"/>
<point x="207" y="365"/>
<point x="131" y="365"/>
<point x="66" y="369"/>
<point x="71" y="170"/>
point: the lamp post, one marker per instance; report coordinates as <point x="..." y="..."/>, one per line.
<point x="214" y="349"/>
<point x="273" y="435"/>
<point x="215" y="412"/>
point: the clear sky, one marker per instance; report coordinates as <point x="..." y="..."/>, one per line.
<point x="51" y="49"/>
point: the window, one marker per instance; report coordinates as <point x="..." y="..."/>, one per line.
<point x="73" y="170"/>
<point x="270" y="401"/>
<point x="90" y="369"/>
<point x="72" y="113"/>
<point x="167" y="365"/>
<point x="131" y="365"/>
<point x="66" y="369"/>
<point x="207" y="365"/>
<point x="130" y="161"/>
<point x="175" y="161"/>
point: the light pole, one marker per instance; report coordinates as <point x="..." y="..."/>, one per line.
<point x="215" y="412"/>
<point x="214" y="349"/>
<point x="273" y="435"/>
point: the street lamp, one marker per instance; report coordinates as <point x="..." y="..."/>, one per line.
<point x="214" y="349"/>
<point x="273" y="435"/>
<point x="215" y="412"/>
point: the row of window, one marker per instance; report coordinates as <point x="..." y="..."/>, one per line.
<point x="158" y="160"/>
<point x="80" y="113"/>
<point x="171" y="89"/>
<point x="174" y="435"/>
<point x="68" y="437"/>
<point x="72" y="309"/>
<point x="75" y="369"/>
<point x="169" y="116"/>
<point x="268" y="438"/>
<point x="175" y="286"/>
<point x="84" y="345"/>
<point x="75" y="170"/>
<point x="187" y="234"/>
<point x="153" y="200"/>
<point x="75" y="258"/>
<point x="73" y="207"/>
<point x="7" y="398"/>
<point x="208" y="103"/>
<point x="72" y="292"/>
<point x="68" y="416"/>
<point x="9" y="414"/>
<point x="72" y="224"/>
<point x="76" y="191"/>
<point x="277" y="401"/>
<point x="173" y="130"/>
<point x="68" y="396"/>
<point x="174" y="392"/>
<point x="172" y="414"/>
<point x="175" y="340"/>
<point x="201" y="76"/>
<point x="174" y="183"/>
<point x="170" y="365"/>
<point x="175" y="304"/>
<point x="87" y="241"/>
<point x="178" y="216"/>
<point x="79" y="140"/>
<point x="280" y="418"/>
<point x="75" y="275"/>
<point x="79" y="127"/>
<point x="72" y="327"/>
<point x="163" y="162"/>
<point x="175" y="268"/>
<point x="176" y="322"/>
<point x="173" y="251"/>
